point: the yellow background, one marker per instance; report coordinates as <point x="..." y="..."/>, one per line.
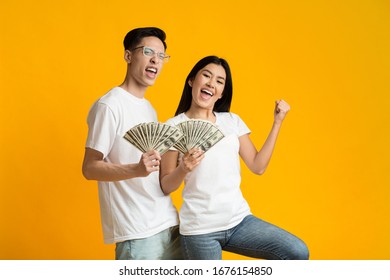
<point x="328" y="181"/>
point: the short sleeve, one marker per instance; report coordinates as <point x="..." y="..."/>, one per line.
<point x="241" y="127"/>
<point x="101" y="128"/>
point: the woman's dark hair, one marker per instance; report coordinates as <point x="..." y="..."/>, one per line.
<point x="134" y="37"/>
<point x="223" y="104"/>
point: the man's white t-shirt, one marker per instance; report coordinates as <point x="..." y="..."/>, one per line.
<point x="212" y="198"/>
<point x="134" y="208"/>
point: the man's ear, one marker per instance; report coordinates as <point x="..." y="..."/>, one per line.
<point x="127" y="56"/>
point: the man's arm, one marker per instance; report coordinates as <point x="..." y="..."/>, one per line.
<point x="95" y="168"/>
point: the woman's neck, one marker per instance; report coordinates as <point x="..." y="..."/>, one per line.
<point x="202" y="114"/>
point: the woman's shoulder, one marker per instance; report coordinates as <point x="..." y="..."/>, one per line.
<point x="176" y="119"/>
<point x="228" y="116"/>
<point x="232" y="120"/>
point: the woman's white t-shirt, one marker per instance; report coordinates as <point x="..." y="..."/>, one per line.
<point x="212" y="198"/>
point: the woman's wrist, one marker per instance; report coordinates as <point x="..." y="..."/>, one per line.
<point x="277" y="123"/>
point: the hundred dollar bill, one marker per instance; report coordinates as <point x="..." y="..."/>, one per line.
<point x="134" y="137"/>
<point x="197" y="134"/>
<point x="153" y="136"/>
<point x="171" y="138"/>
<point x="214" y="139"/>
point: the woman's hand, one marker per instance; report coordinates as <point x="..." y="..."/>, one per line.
<point x="281" y="110"/>
<point x="191" y="159"/>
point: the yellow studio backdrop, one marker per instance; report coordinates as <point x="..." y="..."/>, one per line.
<point x="328" y="181"/>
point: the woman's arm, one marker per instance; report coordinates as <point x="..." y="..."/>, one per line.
<point x="257" y="161"/>
<point x="94" y="168"/>
<point x="172" y="174"/>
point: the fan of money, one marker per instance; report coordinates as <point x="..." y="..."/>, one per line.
<point x="153" y="136"/>
<point x="197" y="134"/>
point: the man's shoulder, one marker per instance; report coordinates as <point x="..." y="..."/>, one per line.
<point x="112" y="96"/>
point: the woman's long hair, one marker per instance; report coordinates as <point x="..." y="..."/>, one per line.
<point x="223" y="104"/>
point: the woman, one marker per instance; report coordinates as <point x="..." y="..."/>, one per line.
<point x="214" y="215"/>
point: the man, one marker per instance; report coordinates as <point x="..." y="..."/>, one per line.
<point x="135" y="213"/>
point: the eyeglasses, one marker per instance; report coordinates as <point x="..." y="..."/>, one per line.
<point x="150" y="52"/>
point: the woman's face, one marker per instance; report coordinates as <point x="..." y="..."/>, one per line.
<point x="208" y="85"/>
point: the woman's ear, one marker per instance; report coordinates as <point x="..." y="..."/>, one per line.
<point x="190" y="81"/>
<point x="127" y="56"/>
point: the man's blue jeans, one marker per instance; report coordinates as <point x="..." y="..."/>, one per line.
<point x="252" y="237"/>
<point x="161" y="246"/>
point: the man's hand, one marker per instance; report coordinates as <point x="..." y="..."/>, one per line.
<point x="149" y="162"/>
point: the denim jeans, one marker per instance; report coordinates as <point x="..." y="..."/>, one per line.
<point x="252" y="237"/>
<point x="164" y="245"/>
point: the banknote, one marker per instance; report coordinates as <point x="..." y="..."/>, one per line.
<point x="197" y="134"/>
<point x="153" y="136"/>
<point x="184" y="136"/>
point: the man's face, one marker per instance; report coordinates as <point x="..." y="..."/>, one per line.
<point x="144" y="61"/>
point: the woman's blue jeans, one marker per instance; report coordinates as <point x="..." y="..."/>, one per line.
<point x="252" y="237"/>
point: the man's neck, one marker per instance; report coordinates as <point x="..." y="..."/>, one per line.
<point x="132" y="88"/>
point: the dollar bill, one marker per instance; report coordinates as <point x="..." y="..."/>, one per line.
<point x="210" y="142"/>
<point x="197" y="134"/>
<point x="184" y="136"/>
<point x="153" y="136"/>
<point x="171" y="137"/>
